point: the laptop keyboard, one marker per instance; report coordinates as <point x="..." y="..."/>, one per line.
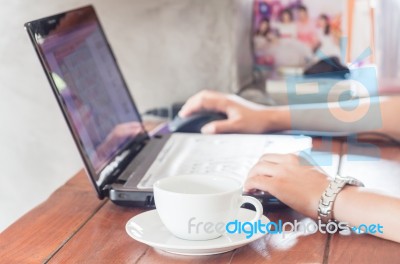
<point x="225" y="155"/>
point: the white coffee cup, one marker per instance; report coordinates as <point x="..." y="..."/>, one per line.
<point x="197" y="207"/>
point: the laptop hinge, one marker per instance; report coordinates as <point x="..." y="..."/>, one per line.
<point x="106" y="190"/>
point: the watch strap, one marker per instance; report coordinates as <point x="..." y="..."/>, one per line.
<point x="326" y="202"/>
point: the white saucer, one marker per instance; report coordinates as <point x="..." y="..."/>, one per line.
<point x="148" y="229"/>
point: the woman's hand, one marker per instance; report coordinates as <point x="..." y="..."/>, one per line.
<point x="243" y="116"/>
<point x="298" y="184"/>
<point x="291" y="179"/>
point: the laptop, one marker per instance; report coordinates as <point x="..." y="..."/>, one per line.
<point x="120" y="158"/>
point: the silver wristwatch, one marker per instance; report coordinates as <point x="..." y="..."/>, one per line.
<point x="325" y="207"/>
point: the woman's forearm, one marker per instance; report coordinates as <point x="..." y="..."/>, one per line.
<point x="375" y="114"/>
<point x="359" y="206"/>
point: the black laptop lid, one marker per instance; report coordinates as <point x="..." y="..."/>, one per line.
<point x="90" y="89"/>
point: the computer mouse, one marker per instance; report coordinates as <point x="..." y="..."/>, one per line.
<point x="194" y="123"/>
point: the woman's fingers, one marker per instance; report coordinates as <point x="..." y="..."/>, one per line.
<point x="265" y="168"/>
<point x="206" y="100"/>
<point x="280" y="158"/>
<point x="270" y="165"/>
<point x="259" y="182"/>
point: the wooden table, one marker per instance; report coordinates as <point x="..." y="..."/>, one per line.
<point x="73" y="226"/>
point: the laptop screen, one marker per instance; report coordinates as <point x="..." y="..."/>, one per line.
<point x="89" y="84"/>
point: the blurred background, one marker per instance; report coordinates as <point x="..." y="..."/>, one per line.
<point x="167" y="50"/>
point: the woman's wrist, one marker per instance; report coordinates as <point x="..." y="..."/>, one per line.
<point x="275" y="119"/>
<point x="343" y="203"/>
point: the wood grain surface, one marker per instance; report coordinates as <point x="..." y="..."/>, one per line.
<point x="73" y="226"/>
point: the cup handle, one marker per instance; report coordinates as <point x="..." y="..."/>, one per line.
<point x="257" y="204"/>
